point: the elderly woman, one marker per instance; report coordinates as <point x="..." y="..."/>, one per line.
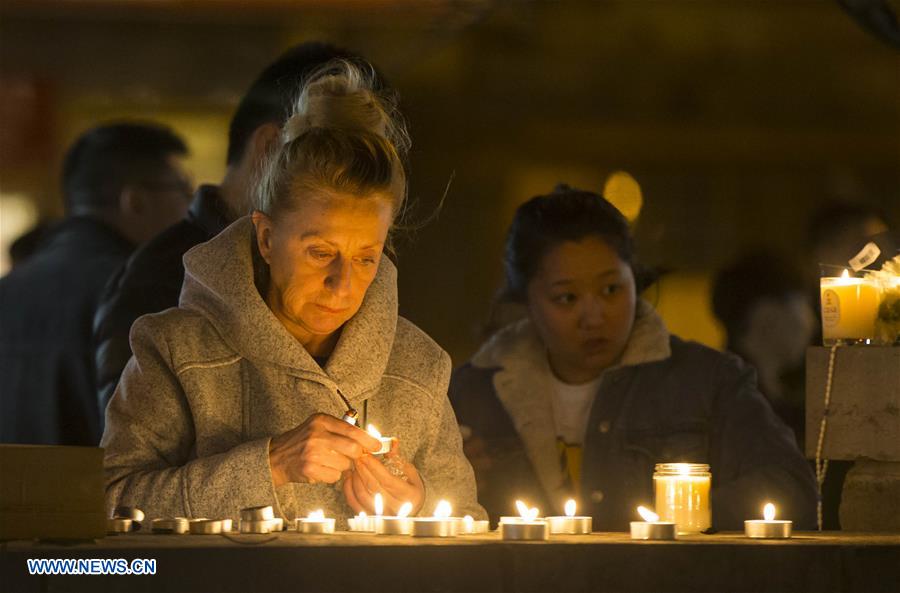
<point x="590" y="391"/>
<point x="288" y="321"/>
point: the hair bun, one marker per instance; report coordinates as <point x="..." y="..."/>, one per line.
<point x="341" y="95"/>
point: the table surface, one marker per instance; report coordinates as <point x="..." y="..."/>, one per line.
<point x="290" y="561"/>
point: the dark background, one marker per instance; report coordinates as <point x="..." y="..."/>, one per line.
<point x="737" y="118"/>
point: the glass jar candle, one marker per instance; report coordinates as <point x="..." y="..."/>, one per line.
<point x="682" y="496"/>
<point x="849" y="307"/>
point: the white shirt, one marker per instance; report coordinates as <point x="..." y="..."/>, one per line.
<point x="572" y="408"/>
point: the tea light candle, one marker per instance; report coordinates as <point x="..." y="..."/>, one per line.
<point x="651" y="527"/>
<point x="768" y="527"/>
<point x="472" y="527"/>
<point x="170" y="525"/>
<point x="205" y="526"/>
<point x="570" y="524"/>
<point x="315" y="523"/>
<point x="526" y="527"/>
<point x="385" y="441"/>
<point x="441" y="524"/>
<point x="362" y="523"/>
<point x="849" y="308"/>
<point x="400" y="524"/>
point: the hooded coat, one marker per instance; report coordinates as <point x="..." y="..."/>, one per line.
<point x="211" y="382"/>
<point x="664" y="401"/>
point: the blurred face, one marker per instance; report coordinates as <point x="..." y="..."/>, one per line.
<point x="582" y="303"/>
<point x="322" y="258"/>
<point x="168" y="197"/>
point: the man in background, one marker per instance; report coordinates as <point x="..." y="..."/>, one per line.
<point x="122" y="183"/>
<point x="151" y="280"/>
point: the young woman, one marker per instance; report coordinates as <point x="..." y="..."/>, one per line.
<point x="587" y="393"/>
<point x="287" y="320"/>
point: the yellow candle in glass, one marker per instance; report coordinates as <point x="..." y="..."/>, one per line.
<point x="849" y="308"/>
<point x="682" y="495"/>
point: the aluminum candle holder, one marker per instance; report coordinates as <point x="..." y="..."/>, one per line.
<point x="206" y="526"/>
<point x="769" y="527"/>
<point x="470" y="526"/>
<point x="118" y="525"/>
<point x="316" y="523"/>
<point x="651" y="528"/>
<point x="393" y="525"/>
<point x="537" y="530"/>
<point x="176" y="525"/>
<point x="571" y="524"/>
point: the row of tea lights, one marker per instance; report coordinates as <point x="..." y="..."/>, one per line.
<point x="528" y="526"/>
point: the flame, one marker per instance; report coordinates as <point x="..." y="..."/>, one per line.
<point x="443" y="510"/>
<point x="523" y="509"/>
<point x="373" y="431"/>
<point x="684" y="469"/>
<point x="647" y="515"/>
<point x="570" y="508"/>
<point x="769" y="511"/>
<point x="533" y="513"/>
<point x="379" y="504"/>
<point x="362" y="515"/>
<point x="845" y="274"/>
<point x="404" y="510"/>
<point x="468" y="520"/>
<point x="316" y="515"/>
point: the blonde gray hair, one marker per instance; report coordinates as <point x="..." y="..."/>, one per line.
<point x="343" y="136"/>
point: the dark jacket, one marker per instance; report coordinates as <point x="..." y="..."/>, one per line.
<point x="667" y="401"/>
<point x="47" y="384"/>
<point x="149" y="282"/>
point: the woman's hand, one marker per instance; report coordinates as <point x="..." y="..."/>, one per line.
<point x="369" y="476"/>
<point x="318" y="450"/>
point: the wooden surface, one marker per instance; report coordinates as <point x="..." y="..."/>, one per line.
<point x="352" y="562"/>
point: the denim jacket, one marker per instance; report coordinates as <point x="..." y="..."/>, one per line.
<point x="666" y="400"/>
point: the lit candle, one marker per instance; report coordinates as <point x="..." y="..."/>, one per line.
<point x="441" y="524"/>
<point x="849" y="309"/>
<point x="400" y="524"/>
<point x="651" y="527"/>
<point x="472" y="527"/>
<point x="385" y="441"/>
<point x="316" y="523"/>
<point x="570" y="524"/>
<point x="362" y="523"/>
<point x="526" y="527"/>
<point x="768" y="527"/>
<point x="682" y="495"/>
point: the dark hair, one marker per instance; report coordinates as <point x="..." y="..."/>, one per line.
<point x="836" y="217"/>
<point x="271" y="97"/>
<point x="738" y="287"/>
<point x="567" y="214"/>
<point x="110" y="157"/>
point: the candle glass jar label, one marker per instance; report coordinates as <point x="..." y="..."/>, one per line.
<point x="682" y="496"/>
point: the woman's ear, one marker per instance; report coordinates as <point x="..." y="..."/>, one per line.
<point x="262" y="224"/>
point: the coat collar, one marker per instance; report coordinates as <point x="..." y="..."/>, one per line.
<point x="219" y="284"/>
<point x="523" y="384"/>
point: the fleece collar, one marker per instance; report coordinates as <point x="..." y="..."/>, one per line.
<point x="523" y="383"/>
<point x="219" y="284"/>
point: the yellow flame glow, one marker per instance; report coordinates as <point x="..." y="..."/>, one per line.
<point x="404" y="510"/>
<point x="570" y="508"/>
<point x="362" y="515"/>
<point x="316" y="515"/>
<point x="523" y="509"/>
<point x="647" y="515"/>
<point x="845" y="274"/>
<point x="379" y="504"/>
<point x="373" y="431"/>
<point x="769" y="511"/>
<point x="443" y="510"/>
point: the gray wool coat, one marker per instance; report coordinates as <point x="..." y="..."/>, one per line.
<point x="188" y="429"/>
